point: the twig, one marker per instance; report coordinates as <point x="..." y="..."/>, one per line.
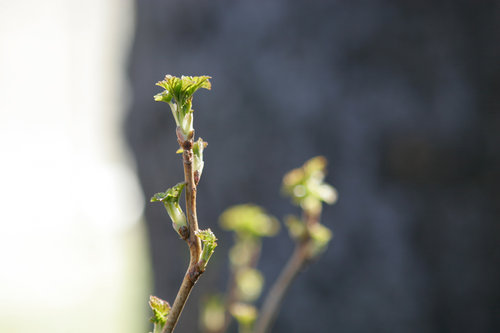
<point x="194" y="270"/>
<point x="272" y="303"/>
<point x="276" y="294"/>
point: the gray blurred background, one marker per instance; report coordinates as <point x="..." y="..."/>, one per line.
<point x="401" y="97"/>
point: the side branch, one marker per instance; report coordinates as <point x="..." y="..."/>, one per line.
<point x="278" y="290"/>
<point x="299" y="258"/>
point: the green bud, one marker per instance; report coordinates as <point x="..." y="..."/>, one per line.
<point x="296" y="227"/>
<point x="178" y="94"/>
<point x="160" y="309"/>
<point x="245" y="314"/>
<point x="198" y="163"/>
<point x="249" y="283"/>
<point x="170" y="199"/>
<point x="209" y="244"/>
<point x="212" y="313"/>
<point x="320" y="236"/>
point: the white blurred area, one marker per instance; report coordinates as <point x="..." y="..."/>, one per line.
<point x="72" y="252"/>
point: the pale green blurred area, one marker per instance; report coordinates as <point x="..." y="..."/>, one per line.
<point x="73" y="253"/>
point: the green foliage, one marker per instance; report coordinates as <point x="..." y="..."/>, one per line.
<point x="249" y="220"/>
<point x="160" y="309"/>
<point x="170" y="195"/>
<point x="181" y="89"/>
<point x="209" y="244"/>
<point x="170" y="199"/>
<point x="178" y="94"/>
<point x="306" y="187"/>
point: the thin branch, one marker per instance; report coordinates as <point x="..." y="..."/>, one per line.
<point x="300" y="256"/>
<point x="194" y="271"/>
<point x="278" y="290"/>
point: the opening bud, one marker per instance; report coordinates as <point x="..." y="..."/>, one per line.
<point x="170" y="199"/>
<point x="209" y="244"/>
<point x="198" y="163"/>
<point x="178" y="94"/>
<point x="160" y="309"/>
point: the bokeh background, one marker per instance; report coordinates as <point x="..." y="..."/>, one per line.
<point x="402" y="97"/>
<point x="73" y="250"/>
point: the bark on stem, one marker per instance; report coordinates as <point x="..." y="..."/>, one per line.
<point x="193" y="272"/>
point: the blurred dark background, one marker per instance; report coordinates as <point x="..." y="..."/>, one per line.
<point x="401" y="97"/>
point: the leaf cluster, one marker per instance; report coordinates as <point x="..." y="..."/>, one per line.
<point x="306" y="186"/>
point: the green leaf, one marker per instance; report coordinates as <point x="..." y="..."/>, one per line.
<point x="164" y="96"/>
<point x="172" y="194"/>
<point x="249" y="220"/>
<point x="183" y="88"/>
<point x="170" y="199"/>
<point x="193" y="83"/>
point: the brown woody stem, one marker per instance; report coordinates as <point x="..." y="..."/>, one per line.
<point x="194" y="270"/>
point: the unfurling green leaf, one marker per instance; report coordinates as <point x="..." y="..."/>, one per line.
<point x="209" y="244"/>
<point x="249" y="220"/>
<point x="306" y="186"/>
<point x="178" y="94"/>
<point x="160" y="309"/>
<point x="170" y="199"/>
<point x="164" y="96"/>
<point x="184" y="87"/>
